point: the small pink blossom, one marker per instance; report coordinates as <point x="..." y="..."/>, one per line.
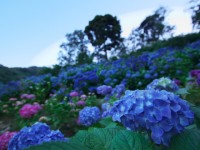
<point x="194" y="73"/>
<point x="4" y="139"/>
<point x="28" y="96"/>
<point x="83" y="97"/>
<point x="80" y="103"/>
<point x="73" y="94"/>
<point x="23" y="96"/>
<point x="28" y="110"/>
<point x="18" y="103"/>
<point x="12" y="99"/>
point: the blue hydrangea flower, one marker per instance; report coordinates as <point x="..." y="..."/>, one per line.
<point x="161" y="113"/>
<point x="163" y="84"/>
<point x="119" y="90"/>
<point x="104" y="90"/>
<point x="34" y="135"/>
<point x="89" y="115"/>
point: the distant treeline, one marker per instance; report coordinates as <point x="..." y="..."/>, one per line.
<point x="17" y="73"/>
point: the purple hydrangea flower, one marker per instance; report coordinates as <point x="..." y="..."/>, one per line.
<point x="163" y="84"/>
<point x="162" y="113"/>
<point x="89" y="115"/>
<point x="34" y="135"/>
<point x="104" y="90"/>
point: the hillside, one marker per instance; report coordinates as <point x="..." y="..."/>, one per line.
<point x="8" y="74"/>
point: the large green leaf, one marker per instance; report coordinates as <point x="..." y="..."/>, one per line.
<point x="58" y="146"/>
<point x="129" y="140"/>
<point x="101" y="139"/>
<point x="196" y="110"/>
<point x="188" y="140"/>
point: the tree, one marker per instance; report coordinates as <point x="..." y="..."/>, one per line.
<point x="195" y="14"/>
<point x="151" y="29"/>
<point x="75" y="47"/>
<point x="104" y="34"/>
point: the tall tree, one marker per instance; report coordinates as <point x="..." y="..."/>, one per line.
<point x="152" y="28"/>
<point x="104" y="34"/>
<point x="75" y="47"/>
<point x="195" y="14"/>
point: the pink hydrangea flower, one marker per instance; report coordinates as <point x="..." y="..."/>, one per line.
<point x="195" y="73"/>
<point x="28" y="110"/>
<point x="31" y="96"/>
<point x="4" y="139"/>
<point x="12" y="99"/>
<point x="73" y="94"/>
<point x="83" y="97"/>
<point x="23" y="96"/>
<point x="27" y="96"/>
<point x="80" y="103"/>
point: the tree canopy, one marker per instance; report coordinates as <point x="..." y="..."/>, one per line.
<point x="152" y="28"/>
<point x="104" y="34"/>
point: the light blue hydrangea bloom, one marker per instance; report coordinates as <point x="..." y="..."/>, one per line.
<point x="34" y="135"/>
<point x="89" y="115"/>
<point x="161" y="113"/>
<point x="163" y="84"/>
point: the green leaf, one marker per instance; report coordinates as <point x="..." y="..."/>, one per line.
<point x="58" y="146"/>
<point x="196" y="111"/>
<point x="101" y="139"/>
<point x="182" y="91"/>
<point x="129" y="140"/>
<point x="106" y="121"/>
<point x="80" y="137"/>
<point x="188" y="140"/>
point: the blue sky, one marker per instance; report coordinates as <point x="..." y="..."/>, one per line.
<point x="31" y="31"/>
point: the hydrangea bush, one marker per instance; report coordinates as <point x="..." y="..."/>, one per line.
<point x="28" y="110"/>
<point x="4" y="139"/>
<point x="34" y="135"/>
<point x="163" y="84"/>
<point x="161" y="113"/>
<point x="89" y="115"/>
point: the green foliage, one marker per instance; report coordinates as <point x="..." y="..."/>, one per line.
<point x="57" y="146"/>
<point x="188" y="140"/>
<point x="9" y="74"/>
<point x="195" y="14"/>
<point x="104" y="34"/>
<point x="151" y="29"/>
<point x="129" y="140"/>
<point x="76" y="46"/>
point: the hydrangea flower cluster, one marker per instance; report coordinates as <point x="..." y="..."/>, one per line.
<point x="27" y="96"/>
<point x="34" y="135"/>
<point x="89" y="115"/>
<point x="163" y="84"/>
<point x="5" y="138"/>
<point x="162" y="113"/>
<point x="28" y="110"/>
<point x="196" y="75"/>
<point x="104" y="90"/>
<point x="119" y="90"/>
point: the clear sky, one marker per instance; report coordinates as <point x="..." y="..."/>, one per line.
<point x="32" y="30"/>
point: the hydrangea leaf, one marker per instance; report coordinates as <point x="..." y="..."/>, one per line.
<point x="188" y="140"/>
<point x="196" y="111"/>
<point x="57" y="146"/>
<point x="129" y="140"/>
<point x="101" y="138"/>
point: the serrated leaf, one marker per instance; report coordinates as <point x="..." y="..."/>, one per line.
<point x="101" y="139"/>
<point x="182" y="91"/>
<point x="129" y="140"/>
<point x="80" y="137"/>
<point x="58" y="146"/>
<point x="188" y="140"/>
<point x="106" y="121"/>
<point x="196" y="111"/>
